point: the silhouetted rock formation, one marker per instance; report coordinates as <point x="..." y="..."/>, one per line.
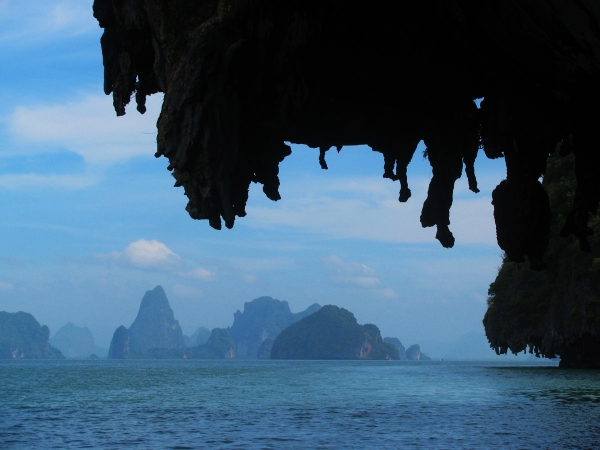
<point x="74" y="341"/>
<point x="242" y="78"/>
<point x="396" y="343"/>
<point x="413" y="353"/>
<point x="263" y="318"/>
<point x="119" y="345"/>
<point x="331" y="333"/>
<point x="155" y="325"/>
<point x="22" y="337"/>
<point x="555" y="312"/>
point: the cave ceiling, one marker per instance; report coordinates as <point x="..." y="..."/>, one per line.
<point x="241" y="78"/>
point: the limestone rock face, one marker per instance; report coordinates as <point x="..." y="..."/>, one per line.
<point x="74" y="341"/>
<point x="413" y="353"/>
<point x="22" y="337"/>
<point x="263" y="318"/>
<point x="557" y="311"/>
<point x="155" y="325"/>
<point x="220" y="345"/>
<point x="119" y="345"/>
<point x="331" y="333"/>
<point x="241" y="78"/>
<point x="396" y="343"/>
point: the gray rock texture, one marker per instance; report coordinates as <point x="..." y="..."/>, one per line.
<point x="155" y="325"/>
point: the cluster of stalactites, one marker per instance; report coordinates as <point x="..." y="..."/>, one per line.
<point x="216" y="146"/>
<point x="452" y="140"/>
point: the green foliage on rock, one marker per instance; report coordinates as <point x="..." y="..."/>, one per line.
<point x="557" y="311"/>
<point x="413" y="353"/>
<point x="220" y="345"/>
<point x="396" y="343"/>
<point x="331" y="333"/>
<point x="262" y="318"/>
<point x="22" y="337"/>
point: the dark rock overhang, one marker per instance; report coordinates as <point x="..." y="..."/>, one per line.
<point x="242" y="77"/>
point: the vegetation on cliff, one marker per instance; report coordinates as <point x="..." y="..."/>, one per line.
<point x="220" y="345"/>
<point x="557" y="311"/>
<point x="396" y="343"/>
<point x="413" y="353"/>
<point x="263" y="318"/>
<point x="22" y="337"/>
<point x="331" y="333"/>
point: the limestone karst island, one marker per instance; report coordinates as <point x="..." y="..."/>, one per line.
<point x="266" y="329"/>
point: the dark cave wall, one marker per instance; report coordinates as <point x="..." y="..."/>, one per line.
<point x="242" y="77"/>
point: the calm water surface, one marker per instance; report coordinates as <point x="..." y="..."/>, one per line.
<point x="296" y="404"/>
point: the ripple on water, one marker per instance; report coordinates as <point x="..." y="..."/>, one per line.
<point x="295" y="404"/>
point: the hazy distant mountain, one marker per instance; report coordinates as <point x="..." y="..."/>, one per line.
<point x="396" y="343"/>
<point x="263" y="318"/>
<point x="199" y="337"/>
<point x="331" y="333"/>
<point x="220" y="345"/>
<point x="22" y="337"/>
<point x="413" y="353"/>
<point x="154" y="327"/>
<point x="74" y="341"/>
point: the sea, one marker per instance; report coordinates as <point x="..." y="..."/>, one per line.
<point x="231" y="404"/>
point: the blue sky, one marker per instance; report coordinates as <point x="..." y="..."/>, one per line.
<point x="90" y="220"/>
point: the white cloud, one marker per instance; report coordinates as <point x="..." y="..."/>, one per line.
<point x="88" y="127"/>
<point x="355" y="274"/>
<point x="29" y="22"/>
<point x="201" y="274"/>
<point x="248" y="278"/>
<point x="181" y="290"/>
<point x="367" y="208"/>
<point x="387" y="293"/>
<point x="34" y="180"/>
<point x="5" y="286"/>
<point x="150" y="254"/>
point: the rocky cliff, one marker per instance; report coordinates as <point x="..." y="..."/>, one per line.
<point x="243" y="77"/>
<point x="263" y="318"/>
<point x="396" y="343"/>
<point x="557" y="311"/>
<point x="22" y="337"/>
<point x="220" y="345"/>
<point x="413" y="353"/>
<point x="119" y="345"/>
<point x="74" y="341"/>
<point x="155" y="325"/>
<point x="331" y="333"/>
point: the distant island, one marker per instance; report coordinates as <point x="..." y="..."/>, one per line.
<point x="76" y="342"/>
<point x="22" y="337"/>
<point x="154" y="327"/>
<point x="332" y="333"/>
<point x="265" y="329"/>
<point x="263" y="318"/>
